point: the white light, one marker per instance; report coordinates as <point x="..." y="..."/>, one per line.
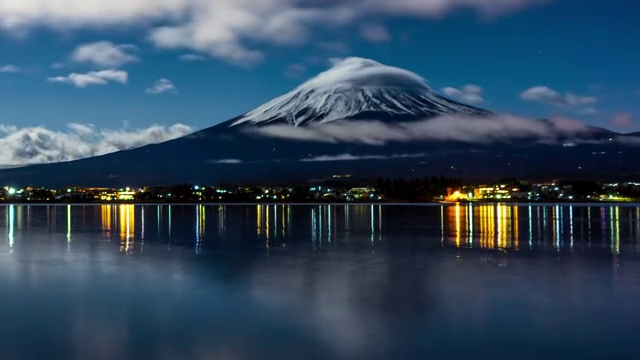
<point x="12" y="191"/>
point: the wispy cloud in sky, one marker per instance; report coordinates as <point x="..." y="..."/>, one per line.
<point x="546" y="95"/>
<point x="192" y="57"/>
<point x="38" y="145"/>
<point x="104" y="54"/>
<point x="471" y="94"/>
<point x="161" y="86"/>
<point x="92" y="78"/>
<point x="225" y="28"/>
<point x="10" y="69"/>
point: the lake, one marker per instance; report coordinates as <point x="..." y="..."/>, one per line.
<point x="319" y="282"/>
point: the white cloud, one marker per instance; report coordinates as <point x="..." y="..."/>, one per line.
<point x="104" y="54"/>
<point x="229" y="29"/>
<point x="498" y="128"/>
<point x="225" y="161"/>
<point x="161" y="86"/>
<point x="38" y="145"/>
<point x="10" y="69"/>
<point x="375" y="33"/>
<point x="92" y="78"/>
<point x="350" y="157"/>
<point x="546" y="95"/>
<point x="471" y="94"/>
<point x="354" y="71"/>
<point x="192" y="57"/>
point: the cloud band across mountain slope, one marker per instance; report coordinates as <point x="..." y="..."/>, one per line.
<point x="443" y="128"/>
<point x="39" y="145"/>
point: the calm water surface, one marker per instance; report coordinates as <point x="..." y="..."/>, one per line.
<point x="319" y="282"/>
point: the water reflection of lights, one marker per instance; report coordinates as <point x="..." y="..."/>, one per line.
<point x="127" y="227"/>
<point x="68" y="227"/>
<point x="615" y="230"/>
<point x="530" y="227"/>
<point x="200" y="219"/>
<point x="10" y="222"/>
<point x="470" y="230"/>
<point x="267" y="227"/>
<point x="105" y="215"/>
<point x="314" y="229"/>
<point x="571" y="240"/>
<point x="259" y="220"/>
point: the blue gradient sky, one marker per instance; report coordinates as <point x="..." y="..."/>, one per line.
<point x="587" y="48"/>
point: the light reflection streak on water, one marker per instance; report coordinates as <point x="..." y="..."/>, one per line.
<point x="10" y="222"/>
<point x="170" y="220"/>
<point x="458" y="235"/>
<point x="222" y="220"/>
<point x="329" y="228"/>
<point x="320" y="228"/>
<point x="142" y="229"/>
<point x="499" y="224"/>
<point x="372" y="225"/>
<point x="198" y="227"/>
<point x="127" y="227"/>
<point x="267" y="227"/>
<point x="615" y="230"/>
<point x="589" y="224"/>
<point x="530" y="227"/>
<point x="314" y="228"/>
<point x="556" y="226"/>
<point x="571" y="226"/>
<point x="284" y="223"/>
<point x="68" y="227"/>
<point x="442" y="225"/>
<point x="515" y="216"/>
<point x="105" y="215"/>
<point x="259" y="220"/>
<point x="471" y="214"/>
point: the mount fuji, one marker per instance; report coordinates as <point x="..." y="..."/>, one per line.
<point x="361" y="118"/>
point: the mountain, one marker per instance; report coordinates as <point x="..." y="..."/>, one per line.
<point x="361" y="118"/>
<point x="357" y="89"/>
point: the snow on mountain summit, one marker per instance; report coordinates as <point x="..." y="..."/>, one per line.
<point x="357" y="88"/>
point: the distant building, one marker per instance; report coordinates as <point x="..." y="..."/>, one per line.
<point x="494" y="192"/>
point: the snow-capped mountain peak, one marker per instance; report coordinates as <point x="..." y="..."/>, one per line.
<point x="356" y="88"/>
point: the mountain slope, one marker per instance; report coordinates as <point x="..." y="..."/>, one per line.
<point x="424" y="134"/>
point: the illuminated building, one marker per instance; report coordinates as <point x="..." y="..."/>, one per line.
<point x="362" y="193"/>
<point x="126" y="195"/>
<point x="497" y="192"/>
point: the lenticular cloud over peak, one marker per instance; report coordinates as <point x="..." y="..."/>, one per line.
<point x="356" y="72"/>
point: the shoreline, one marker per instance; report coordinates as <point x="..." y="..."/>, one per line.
<point x="312" y="203"/>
